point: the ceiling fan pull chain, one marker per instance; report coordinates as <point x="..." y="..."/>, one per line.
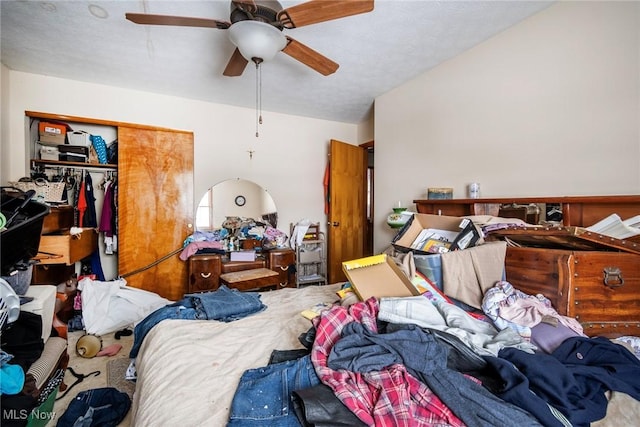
<point x="260" y="90"/>
<point x="258" y="118"/>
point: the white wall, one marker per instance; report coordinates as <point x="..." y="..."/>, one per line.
<point x="288" y="160"/>
<point x="4" y="118"/>
<point x="366" y="128"/>
<point x="550" y="106"/>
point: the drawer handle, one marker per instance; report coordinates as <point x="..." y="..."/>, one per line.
<point x="613" y="277"/>
<point x="284" y="268"/>
<point x="205" y="276"/>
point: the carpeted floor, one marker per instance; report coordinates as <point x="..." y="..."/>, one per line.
<point x="116" y="369"/>
<point x="111" y="373"/>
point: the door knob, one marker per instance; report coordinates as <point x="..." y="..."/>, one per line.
<point x="334" y="224"/>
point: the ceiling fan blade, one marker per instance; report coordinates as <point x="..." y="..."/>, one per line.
<point x="315" y="11"/>
<point x="309" y="57"/>
<point x="236" y="65"/>
<point x="180" y="21"/>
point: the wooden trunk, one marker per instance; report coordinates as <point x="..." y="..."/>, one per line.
<point x="601" y="289"/>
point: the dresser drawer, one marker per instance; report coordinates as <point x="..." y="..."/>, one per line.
<point x="283" y="262"/>
<point x="233" y="266"/>
<point x="204" y="273"/>
<point x="52" y="274"/>
<point x="66" y="248"/>
<point x="60" y="219"/>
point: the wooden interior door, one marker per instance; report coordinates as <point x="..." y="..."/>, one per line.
<point x="347" y="207"/>
<point x="155" y="212"/>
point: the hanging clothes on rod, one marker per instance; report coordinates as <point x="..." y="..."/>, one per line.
<point x="81" y="202"/>
<point x="109" y="215"/>
<point x="90" y="217"/>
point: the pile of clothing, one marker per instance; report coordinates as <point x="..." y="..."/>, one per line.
<point x="412" y="361"/>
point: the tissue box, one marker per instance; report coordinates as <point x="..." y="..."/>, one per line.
<point x="49" y="153"/>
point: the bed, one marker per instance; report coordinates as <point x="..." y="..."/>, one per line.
<point x="188" y="370"/>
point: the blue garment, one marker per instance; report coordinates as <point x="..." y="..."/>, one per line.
<point x="90" y="218"/>
<point x="263" y="397"/>
<point x="11" y="379"/>
<point x="224" y="304"/>
<point x="101" y="407"/>
<point x="573" y="379"/>
<point x="227" y="304"/>
<point x="516" y="388"/>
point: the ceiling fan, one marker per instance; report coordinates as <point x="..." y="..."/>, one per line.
<point x="256" y="26"/>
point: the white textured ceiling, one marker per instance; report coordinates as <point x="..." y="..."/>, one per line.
<point x="377" y="51"/>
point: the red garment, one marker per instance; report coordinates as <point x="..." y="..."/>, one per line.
<point x="391" y="397"/>
<point x="82" y="203"/>
<point x="325" y="183"/>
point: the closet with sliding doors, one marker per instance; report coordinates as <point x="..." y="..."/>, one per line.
<point x="148" y="174"/>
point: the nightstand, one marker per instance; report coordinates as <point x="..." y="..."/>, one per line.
<point x="283" y="262"/>
<point x="204" y="272"/>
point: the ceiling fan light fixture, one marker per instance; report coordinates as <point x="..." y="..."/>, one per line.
<point x="257" y="39"/>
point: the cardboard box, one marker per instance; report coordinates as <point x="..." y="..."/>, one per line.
<point x="378" y="276"/>
<point x="52" y="133"/>
<point x="467" y="233"/>
<point x="79" y="137"/>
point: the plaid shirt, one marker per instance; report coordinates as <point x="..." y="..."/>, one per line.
<point x="387" y="398"/>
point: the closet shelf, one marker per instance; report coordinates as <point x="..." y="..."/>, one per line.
<point x="78" y="165"/>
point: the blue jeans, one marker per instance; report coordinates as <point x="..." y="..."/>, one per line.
<point x="263" y="396"/>
<point x="97" y="407"/>
<point x="224" y="304"/>
<point x="227" y="304"/>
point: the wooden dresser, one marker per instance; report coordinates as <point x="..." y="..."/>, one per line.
<point x="205" y="269"/>
<point x="580" y="211"/>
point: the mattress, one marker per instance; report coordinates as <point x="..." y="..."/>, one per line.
<point x="188" y="370"/>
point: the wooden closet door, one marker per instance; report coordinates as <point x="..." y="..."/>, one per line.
<point x="155" y="212"/>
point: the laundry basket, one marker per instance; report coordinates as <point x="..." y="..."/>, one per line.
<point x="21" y="237"/>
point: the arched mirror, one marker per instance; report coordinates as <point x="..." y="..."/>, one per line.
<point x="235" y="198"/>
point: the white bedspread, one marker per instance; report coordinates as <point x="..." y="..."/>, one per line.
<point x="188" y="370"/>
